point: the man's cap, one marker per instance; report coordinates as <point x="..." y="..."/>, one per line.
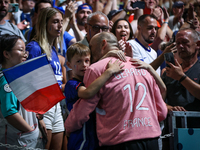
<point x="84" y="6"/>
<point x="112" y="13"/>
<point x="178" y="4"/>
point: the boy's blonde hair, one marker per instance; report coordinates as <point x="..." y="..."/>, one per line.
<point x="78" y="49"/>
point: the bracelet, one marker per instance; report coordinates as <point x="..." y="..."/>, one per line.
<point x="165" y="22"/>
<point x="182" y="78"/>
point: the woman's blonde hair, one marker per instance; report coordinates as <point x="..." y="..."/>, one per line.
<point x="41" y="31"/>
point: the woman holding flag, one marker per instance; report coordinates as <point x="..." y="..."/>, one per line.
<point x="48" y="34"/>
<point x="19" y="126"/>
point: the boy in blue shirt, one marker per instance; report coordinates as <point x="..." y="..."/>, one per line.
<point x="78" y="56"/>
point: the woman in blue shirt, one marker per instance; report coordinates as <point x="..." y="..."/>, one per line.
<point x="49" y="34"/>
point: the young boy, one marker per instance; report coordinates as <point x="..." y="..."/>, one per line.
<point x="78" y="56"/>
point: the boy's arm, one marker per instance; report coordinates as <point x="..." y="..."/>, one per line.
<point x="159" y="82"/>
<point x="96" y="85"/>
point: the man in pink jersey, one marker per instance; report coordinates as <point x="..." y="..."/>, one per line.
<point x="128" y="107"/>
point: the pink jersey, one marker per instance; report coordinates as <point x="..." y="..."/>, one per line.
<point x="128" y="107"/>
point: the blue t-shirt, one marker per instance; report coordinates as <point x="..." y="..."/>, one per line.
<point x="84" y="138"/>
<point x="35" y="50"/>
<point x="71" y="92"/>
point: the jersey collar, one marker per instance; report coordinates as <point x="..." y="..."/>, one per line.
<point x="149" y="50"/>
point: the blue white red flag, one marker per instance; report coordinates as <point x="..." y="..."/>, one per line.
<point x="34" y="84"/>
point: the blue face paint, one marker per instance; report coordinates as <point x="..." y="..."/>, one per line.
<point x="50" y="29"/>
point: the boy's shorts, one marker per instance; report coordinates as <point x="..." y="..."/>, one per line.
<point x="53" y="119"/>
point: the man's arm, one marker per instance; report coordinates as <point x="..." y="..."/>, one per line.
<point x="69" y="10"/>
<point x="176" y="73"/>
<point x="159" y="60"/>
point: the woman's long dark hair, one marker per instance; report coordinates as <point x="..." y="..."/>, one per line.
<point x="7" y="42"/>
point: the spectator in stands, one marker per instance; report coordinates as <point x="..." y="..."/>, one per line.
<point x="122" y="30"/>
<point x="81" y="19"/>
<point x="184" y="78"/>
<point x="182" y="81"/>
<point x="147" y="30"/>
<point x="20" y="127"/>
<point x="5" y="26"/>
<point x="97" y="22"/>
<point x="176" y="20"/>
<point x="48" y="34"/>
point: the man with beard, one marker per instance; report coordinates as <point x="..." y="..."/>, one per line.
<point x="147" y="30"/>
<point x="5" y="26"/>
<point x="82" y="13"/>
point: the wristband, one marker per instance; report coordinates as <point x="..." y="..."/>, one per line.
<point x="165" y="22"/>
<point x="182" y="78"/>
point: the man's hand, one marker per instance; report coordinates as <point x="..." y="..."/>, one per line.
<point x="157" y="12"/>
<point x="115" y="67"/>
<point x="176" y="108"/>
<point x="128" y="6"/>
<point x="170" y="48"/>
<point x="22" y="25"/>
<point x="70" y="9"/>
<point x="174" y="71"/>
<point x="165" y="15"/>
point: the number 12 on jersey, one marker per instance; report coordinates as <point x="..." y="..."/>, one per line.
<point x="138" y="107"/>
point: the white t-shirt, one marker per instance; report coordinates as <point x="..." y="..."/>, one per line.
<point x="140" y="52"/>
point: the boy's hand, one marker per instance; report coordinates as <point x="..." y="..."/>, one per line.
<point x="115" y="67"/>
<point x="140" y="64"/>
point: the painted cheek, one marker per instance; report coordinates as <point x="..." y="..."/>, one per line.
<point x="76" y="67"/>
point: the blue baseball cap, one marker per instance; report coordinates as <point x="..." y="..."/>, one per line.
<point x="84" y="6"/>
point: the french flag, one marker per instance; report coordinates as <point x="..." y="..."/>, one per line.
<point x="34" y="84"/>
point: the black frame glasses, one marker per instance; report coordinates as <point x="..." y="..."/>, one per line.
<point x="97" y="28"/>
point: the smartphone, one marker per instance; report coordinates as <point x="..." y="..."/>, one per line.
<point x="170" y="58"/>
<point x="13" y="7"/>
<point x="139" y="4"/>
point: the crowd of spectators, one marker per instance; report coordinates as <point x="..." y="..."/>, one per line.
<point x="108" y="58"/>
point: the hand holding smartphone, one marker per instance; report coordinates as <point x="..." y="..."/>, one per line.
<point x="13" y="7"/>
<point x="170" y="58"/>
<point x="139" y="4"/>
